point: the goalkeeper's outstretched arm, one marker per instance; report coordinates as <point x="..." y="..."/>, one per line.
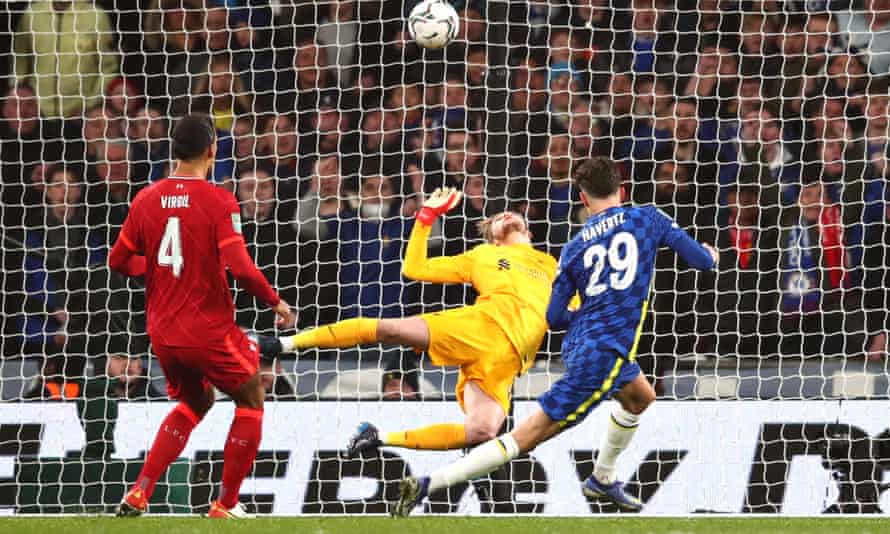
<point x="445" y="269"/>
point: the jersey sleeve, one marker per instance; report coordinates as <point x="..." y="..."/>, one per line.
<point x="444" y="269"/>
<point x="562" y="295"/>
<point x="233" y="252"/>
<point x="681" y="242"/>
<point x="228" y="220"/>
<point x="130" y="235"/>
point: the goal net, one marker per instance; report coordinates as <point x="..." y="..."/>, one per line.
<point x="759" y="126"/>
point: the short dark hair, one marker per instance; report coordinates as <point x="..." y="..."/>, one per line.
<point x="598" y="177"/>
<point x="192" y="136"/>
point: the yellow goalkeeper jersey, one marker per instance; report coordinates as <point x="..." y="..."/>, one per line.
<point x="513" y="283"/>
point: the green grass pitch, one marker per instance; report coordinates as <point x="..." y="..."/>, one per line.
<point x="444" y="525"/>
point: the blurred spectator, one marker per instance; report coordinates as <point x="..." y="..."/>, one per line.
<point x="673" y="191"/>
<point x="271" y="242"/>
<point x="321" y="202"/>
<point x="819" y="30"/>
<point x="55" y="381"/>
<point x="867" y="29"/>
<point x="583" y="129"/>
<point x="175" y="52"/>
<point x="401" y="382"/>
<point x="472" y="25"/>
<point x="463" y="154"/>
<point x="460" y="224"/>
<point x="122" y="100"/>
<point x="316" y="212"/>
<point x="370" y="237"/>
<point x="61" y="252"/>
<point x="276" y="384"/>
<point x="845" y="76"/>
<point x="476" y="71"/>
<point x="619" y="105"/>
<point x="64" y="50"/>
<point x="253" y="52"/>
<point x="814" y="280"/>
<point x="333" y="132"/>
<point x="646" y="47"/>
<point x="760" y="141"/>
<point x="225" y="93"/>
<point x="714" y="81"/>
<point x="551" y="201"/>
<point x="108" y="199"/>
<point x="148" y="134"/>
<point x="282" y="141"/>
<point x="98" y="130"/>
<point x="301" y="91"/>
<point x="130" y="381"/>
<point x="338" y="35"/>
<point x="759" y="52"/>
<point x="25" y="142"/>
<point x="877" y="132"/>
<point x="529" y="120"/>
<point x="747" y="281"/>
<point x="244" y="136"/>
<point x="563" y="85"/>
<point x="216" y="25"/>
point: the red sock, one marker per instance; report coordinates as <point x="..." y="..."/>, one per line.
<point x="169" y="442"/>
<point x="240" y="452"/>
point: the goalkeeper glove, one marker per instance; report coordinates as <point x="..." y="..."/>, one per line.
<point x="442" y="200"/>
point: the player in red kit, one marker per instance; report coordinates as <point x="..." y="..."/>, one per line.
<point x="181" y="234"/>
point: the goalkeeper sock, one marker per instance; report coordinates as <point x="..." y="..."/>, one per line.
<point x="483" y="459"/>
<point x="240" y="452"/>
<point x="441" y="437"/>
<point x="623" y="425"/>
<point x="169" y="442"/>
<point x="348" y="333"/>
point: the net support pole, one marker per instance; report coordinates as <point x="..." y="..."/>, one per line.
<point x="497" y="95"/>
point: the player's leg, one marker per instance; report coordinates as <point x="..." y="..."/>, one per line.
<point x="410" y="331"/>
<point x="634" y="394"/>
<point x="632" y="401"/>
<point x="196" y="398"/>
<point x="488" y="365"/>
<point x="485" y="458"/>
<point x="237" y="376"/>
<point x="242" y="444"/>
<point x="484" y="418"/>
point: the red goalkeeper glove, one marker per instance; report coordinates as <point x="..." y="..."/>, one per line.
<point x="442" y="200"/>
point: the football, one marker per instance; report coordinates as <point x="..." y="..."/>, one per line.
<point x="433" y="23"/>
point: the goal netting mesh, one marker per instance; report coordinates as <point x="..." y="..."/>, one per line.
<point x="760" y="126"/>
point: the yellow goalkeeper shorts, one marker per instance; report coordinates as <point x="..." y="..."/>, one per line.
<point x="471" y="340"/>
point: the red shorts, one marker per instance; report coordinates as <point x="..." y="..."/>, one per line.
<point x="189" y="370"/>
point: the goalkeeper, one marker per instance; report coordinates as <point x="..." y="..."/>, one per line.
<point x="492" y="341"/>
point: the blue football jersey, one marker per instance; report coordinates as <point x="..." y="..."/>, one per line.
<point x="610" y="264"/>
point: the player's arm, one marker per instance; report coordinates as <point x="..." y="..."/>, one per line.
<point x="125" y="256"/>
<point x="563" y="299"/>
<point x="699" y="256"/>
<point x="233" y="252"/>
<point x="444" y="269"/>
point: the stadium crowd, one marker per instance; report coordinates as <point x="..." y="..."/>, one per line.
<point x="761" y="126"/>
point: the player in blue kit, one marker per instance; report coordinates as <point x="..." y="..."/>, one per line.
<point x="610" y="263"/>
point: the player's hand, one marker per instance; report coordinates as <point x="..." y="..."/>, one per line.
<point x="714" y="254"/>
<point x="286" y="317"/>
<point x="442" y="200"/>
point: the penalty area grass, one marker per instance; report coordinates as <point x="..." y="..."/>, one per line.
<point x="444" y="525"/>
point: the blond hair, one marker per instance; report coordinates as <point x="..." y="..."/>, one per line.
<point x="484" y="227"/>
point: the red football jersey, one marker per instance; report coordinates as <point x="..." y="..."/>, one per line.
<point x="180" y="224"/>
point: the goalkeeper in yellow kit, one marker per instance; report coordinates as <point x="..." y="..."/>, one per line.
<point x="493" y="341"/>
